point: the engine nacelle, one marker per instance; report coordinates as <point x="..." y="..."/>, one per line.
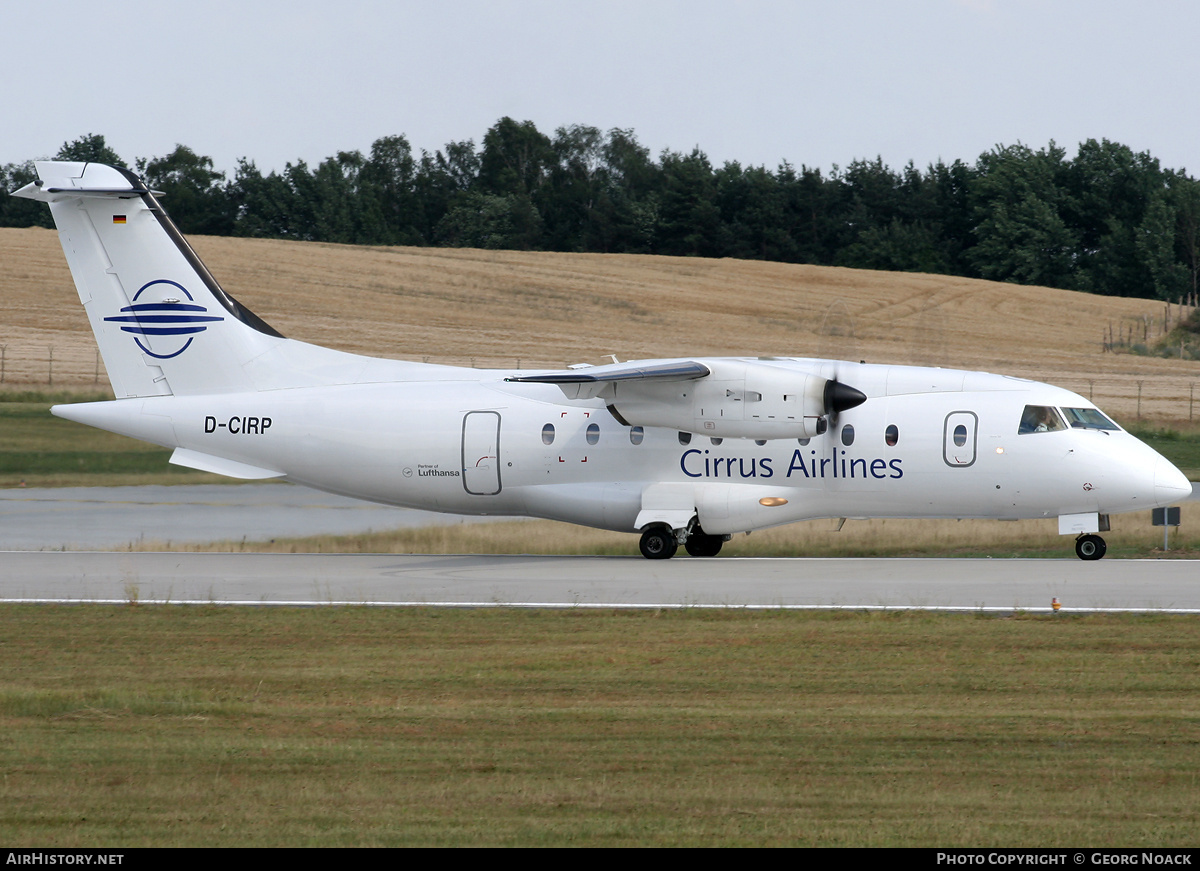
<point x="738" y="399"/>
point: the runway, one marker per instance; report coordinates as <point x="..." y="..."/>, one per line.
<point x="600" y="582"/>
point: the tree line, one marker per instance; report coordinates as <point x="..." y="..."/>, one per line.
<point x="1108" y="220"/>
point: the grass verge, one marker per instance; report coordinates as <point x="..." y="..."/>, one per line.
<point x="1132" y="537"/>
<point x="38" y="449"/>
<point x="351" y="726"/>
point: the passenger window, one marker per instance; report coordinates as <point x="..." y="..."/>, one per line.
<point x="636" y="435"/>
<point x="593" y="433"/>
<point x="716" y="441"/>
<point x="803" y="442"/>
<point x="685" y="438"/>
<point x="960" y="435"/>
<point x="1040" y="418"/>
<point x="847" y="435"/>
<point x="548" y="434"/>
<point x="891" y="435"/>
<point x="760" y="442"/>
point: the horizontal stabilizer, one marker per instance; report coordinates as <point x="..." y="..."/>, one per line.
<point x="221" y="466"/>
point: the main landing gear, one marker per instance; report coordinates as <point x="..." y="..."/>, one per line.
<point x="1090" y="547"/>
<point x="662" y="542"/>
<point x="658" y="542"/>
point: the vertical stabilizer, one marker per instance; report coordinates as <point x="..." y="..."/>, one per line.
<point x="163" y="324"/>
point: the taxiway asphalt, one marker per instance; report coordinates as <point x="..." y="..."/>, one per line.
<point x="103" y="518"/>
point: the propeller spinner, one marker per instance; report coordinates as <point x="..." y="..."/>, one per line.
<point x="841" y="397"/>
<point x="838" y="397"/>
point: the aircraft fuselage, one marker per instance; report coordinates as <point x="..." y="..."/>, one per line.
<point x="927" y="443"/>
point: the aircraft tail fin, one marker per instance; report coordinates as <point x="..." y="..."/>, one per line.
<point x="163" y="323"/>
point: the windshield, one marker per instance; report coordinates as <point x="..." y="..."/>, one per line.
<point x="1088" y="418"/>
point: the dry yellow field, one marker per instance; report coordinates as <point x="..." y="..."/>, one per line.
<point x="504" y="308"/>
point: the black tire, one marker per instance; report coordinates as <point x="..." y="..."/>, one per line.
<point x="701" y="544"/>
<point x="658" y="542"/>
<point x="1090" y="547"/>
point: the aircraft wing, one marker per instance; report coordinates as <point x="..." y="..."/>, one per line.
<point x="759" y="399"/>
<point x="597" y="377"/>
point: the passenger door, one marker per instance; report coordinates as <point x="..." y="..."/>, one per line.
<point x="481" y="453"/>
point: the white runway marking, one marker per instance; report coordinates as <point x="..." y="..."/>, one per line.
<point x="983" y="586"/>
<point x="660" y="606"/>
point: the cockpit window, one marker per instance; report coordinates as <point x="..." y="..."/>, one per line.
<point x="1088" y="418"/>
<point x="1040" y="418"/>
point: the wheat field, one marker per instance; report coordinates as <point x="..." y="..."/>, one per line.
<point x="506" y="309"/>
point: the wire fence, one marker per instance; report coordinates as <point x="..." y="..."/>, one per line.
<point x="76" y="366"/>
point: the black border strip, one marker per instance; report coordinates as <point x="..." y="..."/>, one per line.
<point x="230" y="304"/>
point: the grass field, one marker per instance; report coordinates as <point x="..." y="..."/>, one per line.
<point x="501" y="308"/>
<point x="208" y="726"/>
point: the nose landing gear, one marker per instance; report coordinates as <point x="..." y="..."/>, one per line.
<point x="1090" y="547"/>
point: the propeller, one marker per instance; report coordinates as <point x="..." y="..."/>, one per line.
<point x="841" y="397"/>
<point x="838" y="397"/>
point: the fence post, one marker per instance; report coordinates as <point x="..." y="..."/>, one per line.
<point x="3" y="360"/>
<point x="50" y="369"/>
<point x="1139" y="411"/>
<point x="1191" y="397"/>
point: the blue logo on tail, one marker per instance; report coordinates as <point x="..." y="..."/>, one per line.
<point x="170" y="316"/>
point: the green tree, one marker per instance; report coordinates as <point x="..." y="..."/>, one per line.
<point x="690" y="220"/>
<point x="813" y="213"/>
<point x="334" y="198"/>
<point x="1185" y="196"/>
<point x="268" y="206"/>
<point x="629" y="201"/>
<point x="194" y="193"/>
<point x="18" y="211"/>
<point x="387" y="184"/>
<point x="571" y="200"/>
<point x="90" y="148"/>
<point x="752" y="204"/>
<point x="1110" y="189"/>
<point x="1154" y="242"/>
<point x="480" y="220"/>
<point x="441" y="179"/>
<point x="516" y="159"/>
<point x="1021" y="233"/>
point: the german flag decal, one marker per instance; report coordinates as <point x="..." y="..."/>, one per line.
<point x="118" y="219"/>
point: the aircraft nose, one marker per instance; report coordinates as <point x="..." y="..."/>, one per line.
<point x="1170" y="484"/>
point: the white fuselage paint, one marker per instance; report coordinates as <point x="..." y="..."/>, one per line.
<point x="432" y="444"/>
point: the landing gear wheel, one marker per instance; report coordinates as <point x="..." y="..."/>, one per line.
<point x="701" y="544"/>
<point x="1090" y="547"/>
<point x="658" y="542"/>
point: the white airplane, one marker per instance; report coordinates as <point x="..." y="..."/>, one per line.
<point x="683" y="451"/>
